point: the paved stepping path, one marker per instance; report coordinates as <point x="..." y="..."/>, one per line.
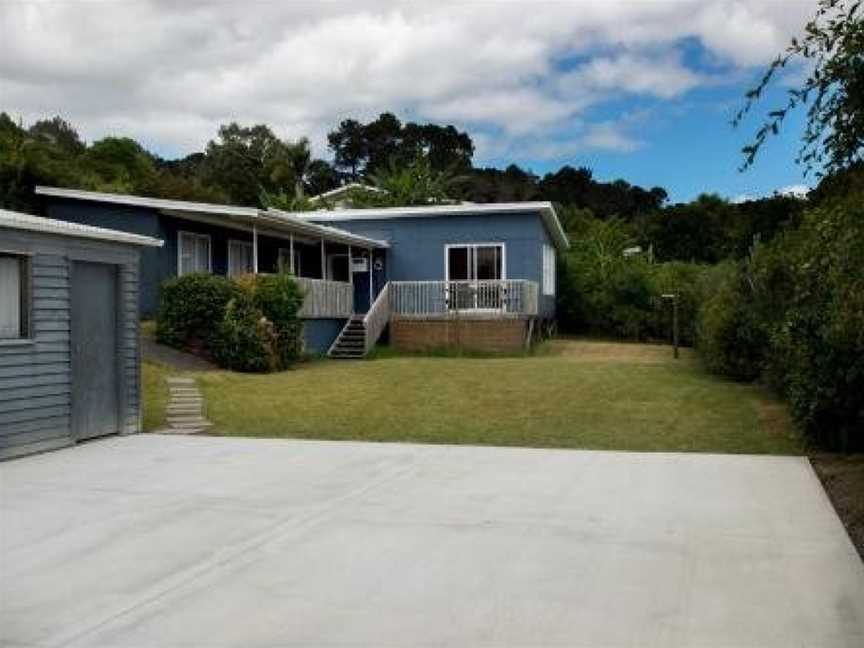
<point x="185" y="411"/>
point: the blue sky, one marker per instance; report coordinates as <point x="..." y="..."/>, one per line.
<point x="639" y="89"/>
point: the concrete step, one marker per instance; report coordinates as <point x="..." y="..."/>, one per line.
<point x="180" y="381"/>
<point x="186" y="401"/>
<point x="184" y="391"/>
<point x="183" y="411"/>
<point x="190" y="424"/>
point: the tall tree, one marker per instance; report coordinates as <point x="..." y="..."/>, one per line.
<point x="349" y="148"/>
<point x="831" y="51"/>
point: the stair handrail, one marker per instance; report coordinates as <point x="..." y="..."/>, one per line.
<point x="376" y="319"/>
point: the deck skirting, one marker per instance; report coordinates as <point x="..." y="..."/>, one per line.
<point x="493" y="335"/>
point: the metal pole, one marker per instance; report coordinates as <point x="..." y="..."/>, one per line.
<point x="675" y="324"/>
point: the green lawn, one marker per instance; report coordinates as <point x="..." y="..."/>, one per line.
<point x="571" y="394"/>
<point x="155" y="394"/>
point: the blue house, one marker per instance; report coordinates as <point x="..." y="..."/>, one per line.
<point x="478" y="276"/>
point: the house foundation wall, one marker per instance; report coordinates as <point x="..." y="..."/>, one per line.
<point x="493" y="336"/>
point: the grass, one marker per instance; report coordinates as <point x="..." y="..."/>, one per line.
<point x="155" y="394"/>
<point x="570" y="394"/>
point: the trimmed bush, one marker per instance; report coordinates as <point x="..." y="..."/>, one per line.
<point x="191" y="307"/>
<point x="245" y="340"/>
<point x="248" y="324"/>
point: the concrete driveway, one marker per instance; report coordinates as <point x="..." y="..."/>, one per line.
<point x="181" y="541"/>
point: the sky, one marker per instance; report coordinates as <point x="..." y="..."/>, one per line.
<point x="642" y="90"/>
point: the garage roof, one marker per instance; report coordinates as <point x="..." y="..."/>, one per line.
<point x="30" y="223"/>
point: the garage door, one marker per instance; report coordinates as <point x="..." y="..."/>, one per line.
<point x="94" y="350"/>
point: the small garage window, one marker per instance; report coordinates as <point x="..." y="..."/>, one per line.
<point x="14" y="296"/>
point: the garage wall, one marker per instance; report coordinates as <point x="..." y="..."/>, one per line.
<point x="35" y="376"/>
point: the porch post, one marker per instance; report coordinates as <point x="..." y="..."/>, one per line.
<point x="350" y="272"/>
<point x="371" y="286"/>
<point x="323" y="261"/>
<point x="291" y="253"/>
<point x="254" y="248"/>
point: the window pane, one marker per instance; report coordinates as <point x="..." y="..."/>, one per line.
<point x="458" y="264"/>
<point x="10" y="297"/>
<point x="489" y="262"/>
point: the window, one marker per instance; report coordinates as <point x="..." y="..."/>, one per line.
<point x="475" y="262"/>
<point x="548" y="269"/>
<point x="14" y="297"/>
<point x="285" y="261"/>
<point x="472" y="263"/>
<point x="240" y="259"/>
<point x="193" y="253"/>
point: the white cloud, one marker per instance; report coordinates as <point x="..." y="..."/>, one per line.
<point x="170" y="73"/>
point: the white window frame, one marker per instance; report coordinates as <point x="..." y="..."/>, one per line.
<point x="194" y="235"/>
<point x="25" y="302"/>
<point x="498" y="244"/>
<point x="245" y="244"/>
<point x="549" y="270"/>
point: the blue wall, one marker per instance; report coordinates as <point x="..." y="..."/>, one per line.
<point x="417" y="245"/>
<point x="320" y="334"/>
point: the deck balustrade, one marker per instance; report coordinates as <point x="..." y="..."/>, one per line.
<point x="490" y="299"/>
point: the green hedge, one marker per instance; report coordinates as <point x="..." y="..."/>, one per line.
<point x="793" y="315"/>
<point x="250" y="324"/>
<point x="191" y="308"/>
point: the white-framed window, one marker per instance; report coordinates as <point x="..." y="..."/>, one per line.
<point x="240" y="258"/>
<point x="548" y="269"/>
<point x="193" y="253"/>
<point x="14" y="296"/>
<point x="285" y="261"/>
<point x="475" y="261"/>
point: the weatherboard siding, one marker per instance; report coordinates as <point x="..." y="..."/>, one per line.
<point x="35" y="376"/>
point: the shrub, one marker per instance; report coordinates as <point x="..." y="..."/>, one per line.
<point x="245" y="340"/>
<point x="817" y="358"/>
<point x="247" y="324"/>
<point x="729" y="338"/>
<point x="191" y="307"/>
<point x="279" y="298"/>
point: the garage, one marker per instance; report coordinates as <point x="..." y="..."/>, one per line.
<point x="69" y="333"/>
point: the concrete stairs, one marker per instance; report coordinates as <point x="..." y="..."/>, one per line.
<point x="351" y="343"/>
<point x="185" y="411"/>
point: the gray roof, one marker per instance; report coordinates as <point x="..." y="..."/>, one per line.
<point x="272" y="218"/>
<point x="544" y="209"/>
<point x="30" y="223"/>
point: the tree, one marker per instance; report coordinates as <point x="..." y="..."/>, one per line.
<point x="348" y="146"/>
<point x="831" y="50"/>
<point x="361" y="150"/>
<point x="415" y="184"/>
<point x="247" y="162"/>
<point x="60" y="133"/>
<point x="119" y="164"/>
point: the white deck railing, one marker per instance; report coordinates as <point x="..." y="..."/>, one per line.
<point x="500" y="298"/>
<point x="326" y="298"/>
<point x="375" y="321"/>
